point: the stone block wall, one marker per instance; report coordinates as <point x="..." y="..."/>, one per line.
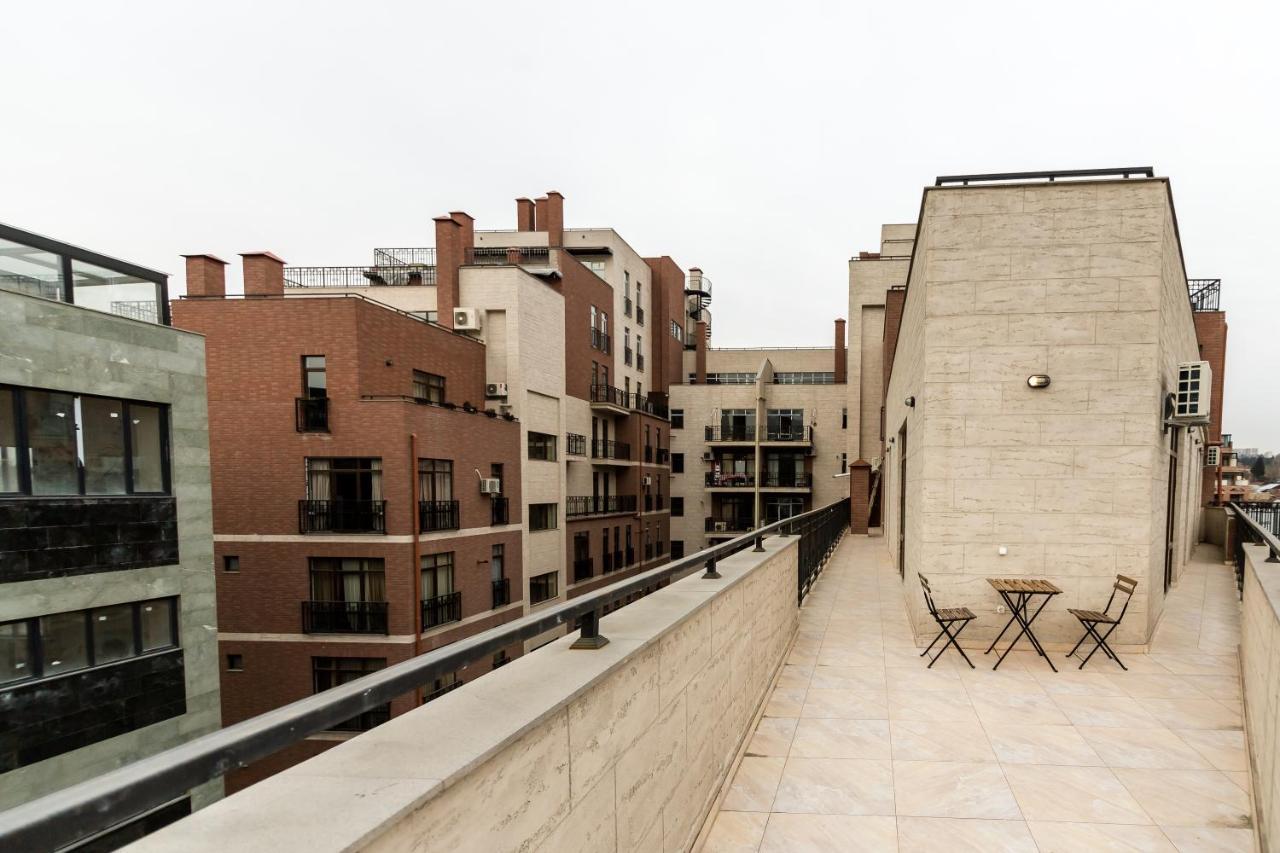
<point x="1260" y="663"/>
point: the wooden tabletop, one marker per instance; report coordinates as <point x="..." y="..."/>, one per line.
<point x="1034" y="585"/>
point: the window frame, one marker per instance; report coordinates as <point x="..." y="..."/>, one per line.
<point x="434" y="384"/>
<point x="546" y="444"/>
<point x="307" y="371"/>
<point x="552" y="509"/>
<point x="550" y="581"/>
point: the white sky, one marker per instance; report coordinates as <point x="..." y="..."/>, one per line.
<point x="765" y="143"/>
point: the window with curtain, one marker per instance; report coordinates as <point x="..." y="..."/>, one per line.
<point x="428" y="387"/>
<point x="344" y="479"/>
<point x="435" y="479"/>
<point x="437" y="575"/>
<point x="348" y="579"/>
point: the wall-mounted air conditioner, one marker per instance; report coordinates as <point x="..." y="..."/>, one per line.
<point x="466" y="319"/>
<point x="648" y="480"/>
<point x="490" y="486"/>
<point x="1192" y="397"/>
<point x="708" y="456"/>
<point x="495" y="389"/>
<point x="1211" y="455"/>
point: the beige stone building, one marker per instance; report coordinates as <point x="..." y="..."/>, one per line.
<point x="983" y="475"/>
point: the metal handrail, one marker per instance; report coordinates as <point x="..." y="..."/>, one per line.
<point x="392" y="275"/>
<point x="1123" y="171"/>
<point x="84" y="809"/>
<point x="1204" y="293"/>
<point x="1262" y="535"/>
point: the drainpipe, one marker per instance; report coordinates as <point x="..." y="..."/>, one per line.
<point x="416" y="548"/>
<point x="760" y="425"/>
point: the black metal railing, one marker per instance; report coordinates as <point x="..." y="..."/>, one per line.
<point x="311" y="414"/>
<point x="580" y="505"/>
<point x="501" y="592"/>
<point x="1122" y="172"/>
<point x="414" y="256"/>
<point x="610" y="395"/>
<point x="395" y="275"/>
<point x="342" y="516"/>
<point x="608" y="449"/>
<point x="626" y="356"/>
<point x="499" y="510"/>
<point x="87" y="808"/>
<point x="508" y="255"/>
<point x="728" y="524"/>
<point x="648" y="453"/>
<point x="648" y="551"/>
<point x="778" y="480"/>
<point x="437" y="515"/>
<point x="1267" y="515"/>
<point x="575" y="444"/>
<point x="600" y="340"/>
<point x="700" y="286"/>
<point x="740" y="432"/>
<point x="1204" y="293"/>
<point x="631" y="556"/>
<point x="583" y="568"/>
<point x="606" y="562"/>
<point x="793" y="433"/>
<point x="712" y="480"/>
<point x="639" y="316"/>
<point x="648" y="406"/>
<point x="639" y="361"/>
<point x="441" y="610"/>
<point x="655" y="503"/>
<point x="344" y="617"/>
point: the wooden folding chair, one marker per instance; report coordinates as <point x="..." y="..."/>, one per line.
<point x="945" y="617"/>
<point x="1091" y="619"/>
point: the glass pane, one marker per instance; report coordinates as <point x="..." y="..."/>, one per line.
<point x="112" y="633"/>
<point x="115" y="292"/>
<point x="8" y="443"/>
<point x="30" y="271"/>
<point x="102" y="434"/>
<point x="148" y="463"/>
<point x="14" y="663"/>
<point x="157" y="625"/>
<point x="51" y="432"/>
<point x="63" y="639"/>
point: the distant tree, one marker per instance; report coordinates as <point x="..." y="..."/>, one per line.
<point x="1259" y="469"/>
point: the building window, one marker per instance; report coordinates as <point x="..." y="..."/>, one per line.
<point x="1211" y="455"/>
<point x="542" y="446"/>
<point x="844" y="418"/>
<point x="428" y="387"/>
<point x="543" y="587"/>
<point x="785" y="424"/>
<point x="435" y="479"/>
<point x="497" y="560"/>
<point x="639" y="310"/>
<point x="677" y="418"/>
<point x="327" y="673"/>
<point x="437" y="574"/>
<point x="314" y="377"/>
<point x="64" y="642"/>
<point x="804" y="377"/>
<point x="344" y="479"/>
<point x="235" y="663"/>
<point x="350" y="579"/>
<point x="677" y="463"/>
<point x="230" y="563"/>
<point x="677" y="507"/>
<point x="731" y="378"/>
<point x="677" y="549"/>
<point x="53" y="443"/>
<point x="543" y="516"/>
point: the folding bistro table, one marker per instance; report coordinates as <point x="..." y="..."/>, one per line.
<point x="1020" y="595"/>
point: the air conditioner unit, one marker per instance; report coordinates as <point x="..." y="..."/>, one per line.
<point x="1211" y="455"/>
<point x="490" y="486"/>
<point x="708" y="456"/>
<point x="495" y="389"/>
<point x="721" y="526"/>
<point x="1191" y="400"/>
<point x="648" y="480"/>
<point x="466" y="319"/>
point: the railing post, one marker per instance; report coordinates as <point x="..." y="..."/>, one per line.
<point x="590" y="638"/>
<point x="759" y="543"/>
<point x="711" y="573"/>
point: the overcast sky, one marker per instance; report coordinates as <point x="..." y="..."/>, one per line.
<point x="765" y="143"/>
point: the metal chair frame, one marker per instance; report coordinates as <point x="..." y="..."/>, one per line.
<point x="1090" y="623"/>
<point x="963" y="615"/>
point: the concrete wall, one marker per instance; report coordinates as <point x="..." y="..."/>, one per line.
<point x="1082" y="282"/>
<point x="868" y="281"/>
<point x="618" y="749"/>
<point x="74" y="349"/>
<point x="1260" y="664"/>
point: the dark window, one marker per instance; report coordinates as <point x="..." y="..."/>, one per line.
<point x="230" y="564"/>
<point x="677" y="463"/>
<point x="235" y="663"/>
<point x="428" y="387"/>
<point x="314" y="378"/>
<point x="349" y="579"/>
<point x="677" y="507"/>
<point x="542" y="446"/>
<point x="10" y="480"/>
<point x="65" y="642"/>
<point x="543" y="587"/>
<point x="677" y="418"/>
<point x="437" y="575"/>
<point x="435" y="479"/>
<point x="344" y="479"/>
<point x="332" y="672"/>
<point x="495" y="471"/>
<point x="543" y="516"/>
<point x="677" y="549"/>
<point x="844" y="418"/>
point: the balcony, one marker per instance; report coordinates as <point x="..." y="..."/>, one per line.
<point x="600" y="340"/>
<point x="441" y="610"/>
<point x="344" y="617"/>
<point x="606" y="562"/>
<point x="631" y="556"/>
<point x="699" y="286"/>
<point x="737" y="433"/>
<point x="602" y="449"/>
<point x="732" y="480"/>
<point x="609" y="398"/>
<point x="626" y="305"/>
<point x="728" y="525"/>
<point x="782" y="480"/>
<point x="649" y="407"/>
<point x="501" y="592"/>
<point x="583" y="569"/>
<point x="499" y="510"/>
<point x="342" y="516"/>
<point x="501" y="256"/>
<point x="578" y="506"/>
<point x="626" y="356"/>
<point x="575" y="444"/>
<point x="787" y="435"/>
<point x="437" y="515"/>
<point x="639" y="316"/>
<point x="1204" y="293"/>
<point x="311" y="414"/>
<point x="655" y="503"/>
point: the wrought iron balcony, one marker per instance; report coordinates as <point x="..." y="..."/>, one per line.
<point x="639" y="361"/>
<point x="731" y="433"/>
<point x="626" y="356"/>
<point x="437" y="515"/>
<point x="648" y="406"/>
<point x="575" y="444"/>
<point x="416" y="256"/>
<point x="631" y="556"/>
<point x="655" y="503"/>
<point x="639" y="316"/>
<point x="344" y="617"/>
<point x="342" y="516"/>
<point x="600" y="340"/>
<point x="499" y="510"/>
<point x="441" y="610"/>
<point x="1204" y="293"/>
<point x="577" y="506"/>
<point x="617" y="561"/>
<point x="626" y="305"/>
<point x="728" y="524"/>
<point x="501" y="592"/>
<point x="583" y="568"/>
<point x="793" y="433"/>
<point x="608" y="395"/>
<point x="604" y="449"/>
<point x="731" y="480"/>
<point x="794" y="480"/>
<point x="311" y="414"/>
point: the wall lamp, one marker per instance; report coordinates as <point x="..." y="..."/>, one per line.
<point x="911" y="402"/>
<point x="1038" y="380"/>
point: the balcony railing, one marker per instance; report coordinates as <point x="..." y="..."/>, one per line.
<point x="776" y="480"/>
<point x="731" y="480"/>
<point x="605" y="449"/>
<point x="792" y="433"/>
<point x="639" y="316"/>
<point x="575" y="444"/>
<point x="734" y="433"/>
<point x="648" y="453"/>
<point x="344" y="277"/>
<point x="583" y="568"/>
<point x="655" y="503"/>
<point x="508" y="255"/>
<point x="728" y="524"/>
<point x="631" y="556"/>
<point x="649" y="407"/>
<point x="312" y="414"/>
<point x="617" y="561"/>
<point x="600" y="340"/>
<point x="1204" y="293"/>
<point x="606" y="562"/>
<point x="501" y="592"/>
<point x="499" y="510"/>
<point x="626" y="356"/>
<point x="609" y="395"/>
<point x="648" y="551"/>
<point x="639" y="361"/>
<point x="437" y="515"/>
<point x="344" y="617"/>
<point x="441" y="610"/>
<point x="577" y="506"/>
<point x="664" y="456"/>
<point x="342" y="516"/>
<point x="415" y="256"/>
<point x="626" y="305"/>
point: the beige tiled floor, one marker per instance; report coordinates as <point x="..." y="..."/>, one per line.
<point x="863" y="748"/>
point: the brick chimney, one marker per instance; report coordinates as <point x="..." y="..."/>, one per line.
<point x="524" y="214"/>
<point x="554" y="223"/>
<point x="467" y="223"/>
<point x="206" y="276"/>
<point x="449" y="256"/>
<point x="263" y="274"/>
<point x="842" y="356"/>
